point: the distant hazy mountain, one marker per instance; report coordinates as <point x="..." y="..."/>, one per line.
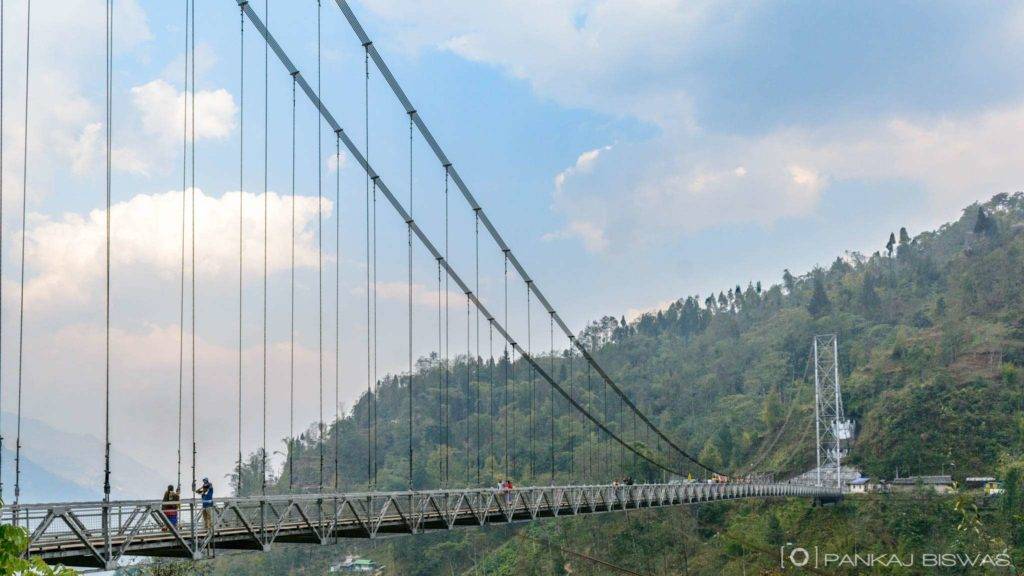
<point x="39" y="484"/>
<point x="61" y="466"/>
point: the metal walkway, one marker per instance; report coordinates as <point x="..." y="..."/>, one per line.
<point x="81" y="534"/>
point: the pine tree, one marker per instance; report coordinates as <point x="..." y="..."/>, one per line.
<point x="819" y="304"/>
<point x="788" y="281"/>
<point x="984" y="225"/>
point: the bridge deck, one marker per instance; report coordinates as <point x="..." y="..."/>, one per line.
<point x="94" y="534"/>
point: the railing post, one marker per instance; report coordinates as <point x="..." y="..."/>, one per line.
<point x="105" y="522"/>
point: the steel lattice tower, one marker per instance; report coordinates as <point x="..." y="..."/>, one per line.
<point x="832" y="430"/>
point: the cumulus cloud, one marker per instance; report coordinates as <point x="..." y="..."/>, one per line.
<point x="591" y="234"/>
<point x="65" y="253"/>
<point x="65" y="120"/>
<point x="422" y="295"/>
<point x="648" y="60"/>
<point x="584" y="163"/>
<point x="612" y="55"/>
<point x="162" y="111"/>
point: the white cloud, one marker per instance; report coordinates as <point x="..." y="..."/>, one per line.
<point x="584" y="163"/>
<point x="65" y="254"/>
<point x="421" y="294"/>
<point x="626" y="58"/>
<point x="611" y="55"/>
<point x="65" y="124"/>
<point x="333" y="161"/>
<point x="158" y="118"/>
<point x="589" y="233"/>
<point x="634" y="313"/>
<point x="161" y="108"/>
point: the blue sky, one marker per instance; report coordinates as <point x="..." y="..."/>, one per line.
<point x="630" y="152"/>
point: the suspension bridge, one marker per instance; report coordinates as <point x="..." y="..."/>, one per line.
<point x="608" y="435"/>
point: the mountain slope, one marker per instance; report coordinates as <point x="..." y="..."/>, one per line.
<point x="931" y="332"/>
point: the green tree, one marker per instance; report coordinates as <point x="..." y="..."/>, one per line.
<point x="819" y="304"/>
<point x="984" y="225"/>
<point x="13" y="543"/>
<point x="788" y="281"/>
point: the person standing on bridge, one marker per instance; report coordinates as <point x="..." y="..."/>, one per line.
<point x="171" y="509"/>
<point x="206" y="492"/>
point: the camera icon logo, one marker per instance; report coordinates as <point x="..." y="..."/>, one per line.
<point x="794" y="556"/>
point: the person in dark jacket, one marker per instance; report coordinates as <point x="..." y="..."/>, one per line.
<point x="171" y="510"/>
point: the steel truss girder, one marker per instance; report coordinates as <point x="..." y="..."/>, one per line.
<point x="73" y="534"/>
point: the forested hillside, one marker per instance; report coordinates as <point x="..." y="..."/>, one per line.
<point x="931" y="332"/>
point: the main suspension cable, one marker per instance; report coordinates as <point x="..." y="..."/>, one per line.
<point x="451" y="274"/>
<point x="424" y="131"/>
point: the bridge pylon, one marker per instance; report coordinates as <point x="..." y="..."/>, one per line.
<point x="832" y="430"/>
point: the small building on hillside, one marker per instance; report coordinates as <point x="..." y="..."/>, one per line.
<point x="942" y="484"/>
<point x="977" y="482"/>
<point x="860" y="485"/>
<point x="357" y="565"/>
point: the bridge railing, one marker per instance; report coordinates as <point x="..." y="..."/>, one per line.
<point x="99" y="534"/>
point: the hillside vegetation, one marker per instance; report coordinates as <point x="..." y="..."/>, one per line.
<point x="931" y="332"/>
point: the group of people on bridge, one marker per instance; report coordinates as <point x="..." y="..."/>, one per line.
<point x="172" y="500"/>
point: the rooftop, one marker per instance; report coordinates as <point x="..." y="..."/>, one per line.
<point x="933" y="480"/>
